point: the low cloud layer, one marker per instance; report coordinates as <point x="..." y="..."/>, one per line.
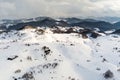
<point x="58" y="8"/>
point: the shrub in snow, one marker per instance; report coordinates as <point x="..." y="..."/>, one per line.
<point x="45" y="66"/>
<point x="29" y="58"/>
<point x="57" y="30"/>
<point x="88" y="60"/>
<point x="108" y="74"/>
<point x="84" y="33"/>
<point x="39" y="31"/>
<point x="12" y="57"/>
<point x="72" y="44"/>
<point x="115" y="48"/>
<point x="73" y="79"/>
<point x="54" y="65"/>
<point x="50" y="65"/>
<point x="84" y="36"/>
<point x="28" y="76"/>
<point x="104" y="60"/>
<point x="94" y="35"/>
<point x="18" y="71"/>
<point x="15" y="78"/>
<point x="98" y="69"/>
<point x="27" y="44"/>
<point x="70" y="78"/>
<point x="98" y="44"/>
<point x="70" y="30"/>
<point x="46" y="50"/>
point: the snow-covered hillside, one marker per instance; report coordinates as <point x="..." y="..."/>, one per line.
<point x="27" y="55"/>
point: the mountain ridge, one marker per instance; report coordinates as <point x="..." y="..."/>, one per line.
<point x="51" y="22"/>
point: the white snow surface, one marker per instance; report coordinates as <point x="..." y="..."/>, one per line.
<point x="76" y="58"/>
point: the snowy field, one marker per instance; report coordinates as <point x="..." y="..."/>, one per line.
<point x="26" y="55"/>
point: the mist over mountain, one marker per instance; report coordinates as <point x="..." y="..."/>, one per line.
<point x="109" y="19"/>
<point x="64" y="22"/>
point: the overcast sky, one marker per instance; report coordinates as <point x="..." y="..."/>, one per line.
<point x="58" y="8"/>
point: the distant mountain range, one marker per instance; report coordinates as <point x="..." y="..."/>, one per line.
<point x="108" y="19"/>
<point x="64" y="22"/>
